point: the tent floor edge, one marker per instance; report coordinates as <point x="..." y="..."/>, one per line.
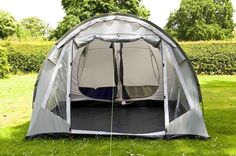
<point x="76" y="136"/>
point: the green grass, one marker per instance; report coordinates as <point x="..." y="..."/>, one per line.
<point x="219" y="95"/>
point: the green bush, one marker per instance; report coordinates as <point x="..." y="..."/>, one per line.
<point x="26" y="56"/>
<point x="212" y="57"/>
<point x="4" y="66"/>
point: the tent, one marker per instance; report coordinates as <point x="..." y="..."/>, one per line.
<point x="121" y="75"/>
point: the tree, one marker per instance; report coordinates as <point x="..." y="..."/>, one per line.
<point x="202" y="20"/>
<point x="68" y="22"/>
<point x="7" y="24"/>
<point x="80" y="10"/>
<point x="32" y="27"/>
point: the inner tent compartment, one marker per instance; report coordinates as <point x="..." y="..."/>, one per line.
<point x="125" y="75"/>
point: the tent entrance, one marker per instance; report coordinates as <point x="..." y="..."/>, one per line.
<point x="126" y="73"/>
<point x="139" y="117"/>
<point x="130" y="69"/>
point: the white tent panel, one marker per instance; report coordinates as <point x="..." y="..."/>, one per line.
<point x="47" y="122"/>
<point x="190" y="123"/>
<point x="191" y="83"/>
<point x="43" y="81"/>
<point x="77" y="59"/>
<point x="98" y="69"/>
<point x="139" y="68"/>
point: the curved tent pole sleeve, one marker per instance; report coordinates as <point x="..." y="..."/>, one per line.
<point x="68" y="100"/>
<point x="166" y="105"/>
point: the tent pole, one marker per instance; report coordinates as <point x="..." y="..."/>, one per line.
<point x="166" y="107"/>
<point x="113" y="97"/>
<point x="68" y="101"/>
<point x="112" y="112"/>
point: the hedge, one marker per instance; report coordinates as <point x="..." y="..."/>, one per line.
<point x="26" y="56"/>
<point x="4" y="66"/>
<point x="211" y="57"/>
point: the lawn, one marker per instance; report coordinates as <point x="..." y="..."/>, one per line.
<point x="219" y="95"/>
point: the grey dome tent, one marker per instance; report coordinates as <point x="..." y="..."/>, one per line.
<point x="121" y="75"/>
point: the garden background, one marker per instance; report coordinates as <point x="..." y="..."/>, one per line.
<point x="23" y="51"/>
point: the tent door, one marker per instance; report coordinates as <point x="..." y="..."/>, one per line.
<point x="137" y="117"/>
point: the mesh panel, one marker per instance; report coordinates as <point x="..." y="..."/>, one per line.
<point x="57" y="99"/>
<point x="140" y="91"/>
<point x="178" y="103"/>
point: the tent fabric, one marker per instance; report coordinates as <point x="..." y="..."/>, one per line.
<point x="123" y="60"/>
<point x="188" y="123"/>
<point x="140" y="91"/>
<point x="57" y="98"/>
<point x="134" y="21"/>
<point x="139" y="67"/>
<point x="47" y="122"/>
<point x="98" y="70"/>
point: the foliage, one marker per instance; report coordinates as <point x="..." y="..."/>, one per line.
<point x="7" y="24"/>
<point x="212" y="57"/>
<point x="4" y="66"/>
<point x="68" y="22"/>
<point x="26" y="56"/>
<point x="220" y="111"/>
<point x="80" y="10"/>
<point x="202" y="20"/>
<point x="33" y="27"/>
<point x="234" y="34"/>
